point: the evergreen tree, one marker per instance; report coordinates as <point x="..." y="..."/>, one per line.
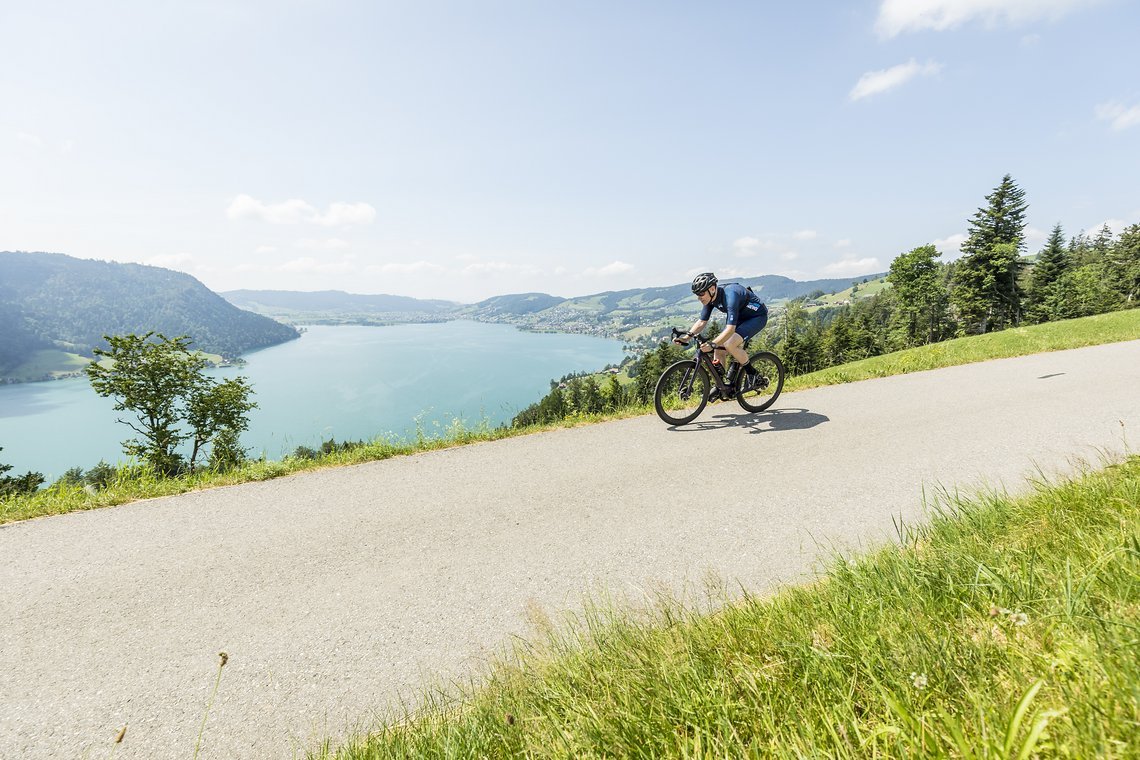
<point x="792" y="318"/>
<point x="987" y="293"/>
<point x="1124" y="262"/>
<point x="1083" y="291"/>
<point x="1052" y="262"/>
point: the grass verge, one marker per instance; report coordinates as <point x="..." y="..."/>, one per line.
<point x="1003" y="628"/>
<point x="1113" y="327"/>
<point x="131" y="485"/>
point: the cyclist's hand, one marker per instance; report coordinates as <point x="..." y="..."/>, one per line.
<point x="681" y="340"/>
<point x="707" y="346"/>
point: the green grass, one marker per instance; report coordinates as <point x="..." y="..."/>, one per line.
<point x="1052" y="336"/>
<point x="48" y="363"/>
<point x="866" y="290"/>
<point x="1003" y="628"/>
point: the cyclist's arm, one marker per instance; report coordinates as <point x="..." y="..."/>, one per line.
<point x="698" y="326"/>
<point x="725" y="334"/>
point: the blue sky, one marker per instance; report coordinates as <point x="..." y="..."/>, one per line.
<point x="460" y="150"/>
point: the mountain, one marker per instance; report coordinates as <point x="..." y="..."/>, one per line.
<point x="518" y="303"/>
<point x="283" y="302"/>
<point x="635" y="314"/>
<point x="53" y="301"/>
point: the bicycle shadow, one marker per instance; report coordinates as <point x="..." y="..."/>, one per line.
<point x="772" y="420"/>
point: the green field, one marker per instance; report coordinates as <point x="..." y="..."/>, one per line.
<point x="864" y="290"/>
<point x="48" y="364"/>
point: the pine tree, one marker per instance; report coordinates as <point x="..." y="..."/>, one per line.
<point x="1124" y="263"/>
<point x="1052" y="262"/>
<point x="988" y="294"/>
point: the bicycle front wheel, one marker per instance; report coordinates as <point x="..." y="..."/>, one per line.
<point x="682" y="392"/>
<point x="758" y="392"/>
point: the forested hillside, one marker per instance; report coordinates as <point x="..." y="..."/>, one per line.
<point x="55" y="301"/>
<point x="633" y="315"/>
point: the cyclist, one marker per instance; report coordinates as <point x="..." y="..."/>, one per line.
<point x="746" y="316"/>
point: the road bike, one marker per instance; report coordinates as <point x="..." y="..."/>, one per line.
<point x="688" y="385"/>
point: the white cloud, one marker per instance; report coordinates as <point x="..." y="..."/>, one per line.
<point x="950" y="245"/>
<point x="171" y="261"/>
<point x="407" y="267"/>
<point x="332" y="244"/>
<point x="309" y="265"/>
<point x="1118" y="115"/>
<point x="805" y="235"/>
<point x="898" y="16"/>
<point x="488" y="267"/>
<point x="1030" y="40"/>
<point x="1116" y="226"/>
<point x="265" y="249"/>
<point x="789" y="255"/>
<point x="729" y="273"/>
<point x="851" y="266"/>
<point x="746" y="247"/>
<point x="844" y="243"/>
<point x="1034" y="237"/>
<point x="616" y="267"/>
<point x="296" y="211"/>
<point x="29" y="139"/>
<point x="343" y="214"/>
<point x="875" y="82"/>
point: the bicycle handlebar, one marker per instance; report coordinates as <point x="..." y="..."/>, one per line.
<point x="700" y="338"/>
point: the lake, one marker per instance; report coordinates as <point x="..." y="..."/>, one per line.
<point x="346" y="383"/>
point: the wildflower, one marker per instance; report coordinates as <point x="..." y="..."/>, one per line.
<point x="1019" y="618"/>
<point x="918" y="679"/>
<point x="225" y="658"/>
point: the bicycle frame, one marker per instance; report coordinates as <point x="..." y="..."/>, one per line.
<point x="705" y="357"/>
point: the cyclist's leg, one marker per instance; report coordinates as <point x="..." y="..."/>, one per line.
<point x="735" y="346"/>
<point x="747" y="330"/>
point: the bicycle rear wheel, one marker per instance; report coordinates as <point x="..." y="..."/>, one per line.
<point x="758" y="392"/>
<point x="682" y="392"/>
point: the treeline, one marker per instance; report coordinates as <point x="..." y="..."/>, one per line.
<point x="993" y="286"/>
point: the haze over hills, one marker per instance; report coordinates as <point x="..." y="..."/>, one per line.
<point x="627" y="314"/>
<point x="332" y="302"/>
<point x="50" y="302"/>
<point x="55" y="309"/>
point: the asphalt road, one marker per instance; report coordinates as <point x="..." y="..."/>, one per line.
<point x="336" y="592"/>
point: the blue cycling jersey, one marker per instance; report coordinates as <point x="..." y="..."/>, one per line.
<point x="737" y="302"/>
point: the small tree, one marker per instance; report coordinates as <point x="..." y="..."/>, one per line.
<point x="13" y="485"/>
<point x="218" y="413"/>
<point x="1052" y="263"/>
<point x="163" y="383"/>
<point x="920" y="299"/>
